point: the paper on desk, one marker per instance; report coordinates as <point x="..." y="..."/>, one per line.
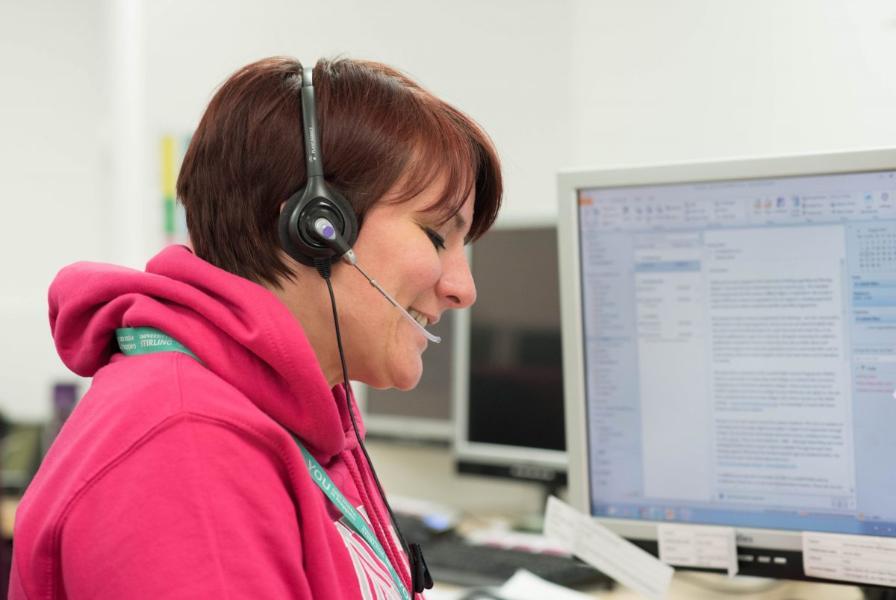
<point x="527" y="586"/>
<point x="606" y="551"/>
<point x="698" y="546"/>
<point x="858" y="558"/>
<point x="438" y="594"/>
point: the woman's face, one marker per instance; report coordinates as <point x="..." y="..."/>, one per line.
<point x="423" y="265"/>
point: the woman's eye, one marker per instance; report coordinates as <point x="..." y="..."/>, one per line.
<point x="437" y="240"/>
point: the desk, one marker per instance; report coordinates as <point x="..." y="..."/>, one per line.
<point x="697" y="586"/>
<point x="427" y="472"/>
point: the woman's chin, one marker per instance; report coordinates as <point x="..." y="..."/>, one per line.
<point x="407" y="376"/>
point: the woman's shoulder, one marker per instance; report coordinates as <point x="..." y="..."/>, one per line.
<point x="154" y="408"/>
<point x="150" y="460"/>
<point x="148" y="422"/>
<point x="145" y="390"/>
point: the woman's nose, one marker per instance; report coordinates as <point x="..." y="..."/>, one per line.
<point x="456" y="284"/>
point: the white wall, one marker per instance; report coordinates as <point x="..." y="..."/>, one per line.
<point x="88" y="88"/>
<point x="662" y="81"/>
<point x="50" y="106"/>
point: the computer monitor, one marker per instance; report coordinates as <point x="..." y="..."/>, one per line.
<point x="508" y="388"/>
<point x="730" y="348"/>
<point x="21" y="450"/>
<point x="424" y="413"/>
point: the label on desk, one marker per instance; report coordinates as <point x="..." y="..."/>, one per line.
<point x="858" y="558"/>
<point x="698" y="546"/>
<point x="605" y="550"/>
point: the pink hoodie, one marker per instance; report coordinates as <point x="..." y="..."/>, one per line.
<point x="175" y="479"/>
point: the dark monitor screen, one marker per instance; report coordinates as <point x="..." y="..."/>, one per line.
<point x="511" y="394"/>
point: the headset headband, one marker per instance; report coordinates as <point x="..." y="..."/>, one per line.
<point x="313" y="159"/>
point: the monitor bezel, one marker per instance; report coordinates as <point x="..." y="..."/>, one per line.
<point x="437" y="431"/>
<point x="569" y="182"/>
<point x="519" y="462"/>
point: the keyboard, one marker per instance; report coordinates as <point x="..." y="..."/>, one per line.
<point x="452" y="560"/>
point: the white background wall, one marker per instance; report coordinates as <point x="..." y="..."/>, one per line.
<point x="51" y="211"/>
<point x="661" y="81"/>
<point x="87" y="88"/>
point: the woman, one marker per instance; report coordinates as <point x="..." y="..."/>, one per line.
<point x="187" y="473"/>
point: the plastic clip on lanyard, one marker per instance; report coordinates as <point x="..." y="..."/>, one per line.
<point x="147" y="340"/>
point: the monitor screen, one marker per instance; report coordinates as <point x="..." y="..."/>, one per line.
<point x="731" y="334"/>
<point x="509" y="397"/>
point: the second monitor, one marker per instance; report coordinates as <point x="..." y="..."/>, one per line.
<point x="508" y="366"/>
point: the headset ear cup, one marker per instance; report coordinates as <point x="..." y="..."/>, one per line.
<point x="317" y="199"/>
<point x="295" y="226"/>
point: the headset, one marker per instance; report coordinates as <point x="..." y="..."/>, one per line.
<point x="318" y="227"/>
<point x="300" y="227"/>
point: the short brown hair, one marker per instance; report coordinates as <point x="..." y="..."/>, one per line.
<point x="378" y="128"/>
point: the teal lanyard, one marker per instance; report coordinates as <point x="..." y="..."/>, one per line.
<point x="329" y="488"/>
<point x="147" y="340"/>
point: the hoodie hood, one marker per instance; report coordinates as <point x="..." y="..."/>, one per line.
<point x="237" y="328"/>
